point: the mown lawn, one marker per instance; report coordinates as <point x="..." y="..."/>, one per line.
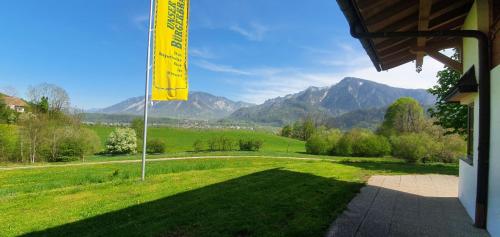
<point x="182" y="139"/>
<point x="202" y="197"/>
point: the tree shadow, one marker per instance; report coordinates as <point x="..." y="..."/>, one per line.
<point x="403" y="168"/>
<point x="275" y="202"/>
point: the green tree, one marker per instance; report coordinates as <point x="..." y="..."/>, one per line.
<point x="43" y="105"/>
<point x="451" y="116"/>
<point x="9" y="136"/>
<point x="286" y="131"/>
<point x="32" y="130"/>
<point x="309" y="128"/>
<point x="138" y="125"/>
<point x="89" y="142"/>
<point x="5" y="112"/>
<point x="405" y="115"/>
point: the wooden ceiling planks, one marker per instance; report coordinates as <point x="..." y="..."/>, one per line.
<point x="408" y="15"/>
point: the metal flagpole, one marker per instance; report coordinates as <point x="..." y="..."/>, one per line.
<point x="146" y="98"/>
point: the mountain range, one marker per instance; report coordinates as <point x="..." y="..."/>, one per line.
<point x="200" y="106"/>
<point x="350" y="98"/>
<point x="349" y="95"/>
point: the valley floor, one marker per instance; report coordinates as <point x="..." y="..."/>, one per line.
<point x="247" y="196"/>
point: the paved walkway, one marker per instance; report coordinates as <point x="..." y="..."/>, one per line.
<point x="410" y="205"/>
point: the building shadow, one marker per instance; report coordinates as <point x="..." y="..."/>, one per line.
<point x="275" y="202"/>
<point x="382" y="211"/>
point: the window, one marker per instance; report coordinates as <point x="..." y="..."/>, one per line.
<point x="470" y="133"/>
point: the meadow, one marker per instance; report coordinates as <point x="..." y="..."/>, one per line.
<point x="198" y="197"/>
<point x="181" y="139"/>
<point x="277" y="191"/>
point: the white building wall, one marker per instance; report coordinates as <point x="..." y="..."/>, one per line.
<point x="493" y="221"/>
<point x="468" y="173"/>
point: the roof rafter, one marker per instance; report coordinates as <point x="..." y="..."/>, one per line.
<point x="423" y="25"/>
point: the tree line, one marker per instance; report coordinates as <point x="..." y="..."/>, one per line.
<point x="46" y="131"/>
<point x="405" y="133"/>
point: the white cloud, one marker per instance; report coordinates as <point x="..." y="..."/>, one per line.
<point x="287" y="81"/>
<point x="141" y="22"/>
<point x="404" y="76"/>
<point x="262" y="83"/>
<point x="255" y="31"/>
<point x="202" y="53"/>
<point x="220" y="68"/>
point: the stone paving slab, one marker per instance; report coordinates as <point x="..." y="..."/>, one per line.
<point x="408" y="205"/>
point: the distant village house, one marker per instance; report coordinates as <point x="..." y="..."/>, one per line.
<point x="15" y="104"/>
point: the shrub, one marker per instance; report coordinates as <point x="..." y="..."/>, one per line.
<point x="198" y="145"/>
<point x="345" y="144"/>
<point x="69" y="147"/>
<point x="221" y="144"/>
<point x="453" y="147"/>
<point x="332" y="137"/>
<point x="213" y="144"/>
<point x="250" y="145"/>
<point x="371" y="145"/>
<point x="155" y="146"/>
<point x="226" y="144"/>
<point x="360" y="142"/>
<point x="122" y="141"/>
<point x="90" y="141"/>
<point x="9" y="137"/>
<point x="413" y="147"/>
<point x="317" y="145"/>
<point x="75" y="144"/>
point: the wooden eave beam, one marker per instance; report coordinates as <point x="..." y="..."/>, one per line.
<point x="397" y="62"/>
<point x="423" y="25"/>
<point x="457" y="66"/>
<point x="397" y="52"/>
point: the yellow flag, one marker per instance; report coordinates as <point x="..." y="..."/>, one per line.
<point x="170" y="63"/>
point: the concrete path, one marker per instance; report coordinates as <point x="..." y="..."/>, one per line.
<point x="409" y="205"/>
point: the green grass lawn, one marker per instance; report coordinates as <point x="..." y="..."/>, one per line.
<point x="181" y="139"/>
<point x="201" y="197"/>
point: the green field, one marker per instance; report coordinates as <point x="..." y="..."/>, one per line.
<point x="181" y="140"/>
<point x="200" y="197"/>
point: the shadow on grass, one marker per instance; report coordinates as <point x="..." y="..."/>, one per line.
<point x="403" y="168"/>
<point x="274" y="202"/>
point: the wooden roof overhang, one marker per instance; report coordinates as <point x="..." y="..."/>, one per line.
<point x="404" y="16"/>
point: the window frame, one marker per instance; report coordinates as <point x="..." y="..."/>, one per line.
<point x="470" y="135"/>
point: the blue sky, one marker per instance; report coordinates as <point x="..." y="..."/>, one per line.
<point x="249" y="50"/>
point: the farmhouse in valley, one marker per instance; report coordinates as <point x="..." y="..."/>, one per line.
<point x="15" y="103"/>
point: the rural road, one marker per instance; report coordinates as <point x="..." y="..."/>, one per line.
<point x="150" y="160"/>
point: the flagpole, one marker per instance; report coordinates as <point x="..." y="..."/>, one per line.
<point x="146" y="97"/>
